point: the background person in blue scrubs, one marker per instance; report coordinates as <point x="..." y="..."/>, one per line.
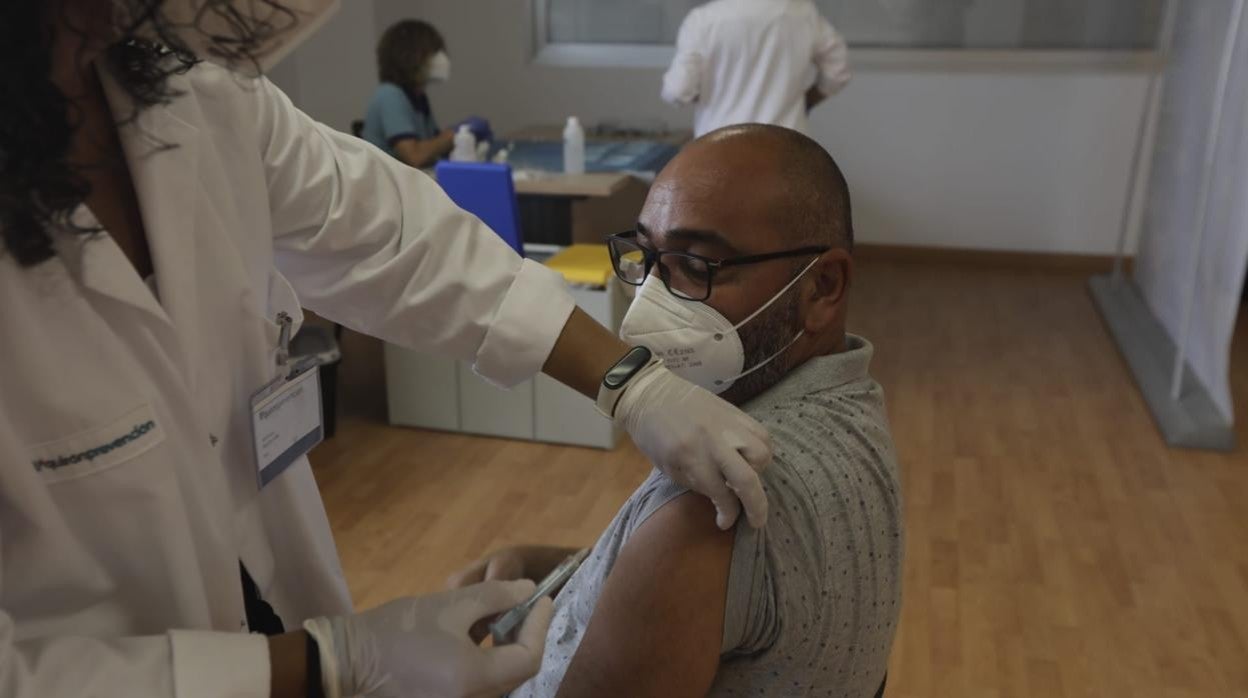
<point x="399" y="120"/>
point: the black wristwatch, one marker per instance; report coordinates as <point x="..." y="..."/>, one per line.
<point x="313" y="679"/>
<point x="618" y="377"/>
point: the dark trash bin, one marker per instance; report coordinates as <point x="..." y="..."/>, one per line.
<point x="321" y="343"/>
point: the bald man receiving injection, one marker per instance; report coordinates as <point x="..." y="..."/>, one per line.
<point x="743" y="255"/>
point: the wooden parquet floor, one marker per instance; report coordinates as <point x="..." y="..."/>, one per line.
<point x="1055" y="546"/>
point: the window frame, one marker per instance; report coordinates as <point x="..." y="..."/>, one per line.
<point x="649" y="56"/>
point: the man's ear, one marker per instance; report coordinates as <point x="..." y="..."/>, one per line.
<point x="825" y="293"/>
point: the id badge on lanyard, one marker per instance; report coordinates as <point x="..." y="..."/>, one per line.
<point x="286" y="420"/>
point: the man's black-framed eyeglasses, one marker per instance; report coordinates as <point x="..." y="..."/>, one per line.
<point x="687" y="276"/>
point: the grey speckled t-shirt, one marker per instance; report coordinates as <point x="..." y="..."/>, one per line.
<point x="813" y="598"/>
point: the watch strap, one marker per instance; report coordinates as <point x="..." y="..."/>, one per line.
<point x="313" y="678"/>
<point x="609" y="399"/>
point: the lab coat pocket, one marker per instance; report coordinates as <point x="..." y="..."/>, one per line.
<point x="99" y="448"/>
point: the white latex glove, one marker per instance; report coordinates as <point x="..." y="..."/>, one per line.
<point x="419" y="647"/>
<point x="700" y="441"/>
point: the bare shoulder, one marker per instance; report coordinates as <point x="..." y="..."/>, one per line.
<point x="658" y="625"/>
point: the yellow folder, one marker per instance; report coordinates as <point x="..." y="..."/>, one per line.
<point x="583" y="264"/>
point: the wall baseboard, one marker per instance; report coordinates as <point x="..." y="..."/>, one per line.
<point x="997" y="259"/>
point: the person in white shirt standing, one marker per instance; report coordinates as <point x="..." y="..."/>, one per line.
<point x="755" y="61"/>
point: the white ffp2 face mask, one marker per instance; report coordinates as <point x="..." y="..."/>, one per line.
<point x="439" y="67"/>
<point x="293" y="23"/>
<point x="694" y="340"/>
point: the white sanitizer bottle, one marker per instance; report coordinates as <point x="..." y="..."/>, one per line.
<point x="573" y="147"/>
<point x="465" y="149"/>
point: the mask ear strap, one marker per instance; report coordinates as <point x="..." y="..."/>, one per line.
<point x="779" y="293"/>
<point x="762" y="363"/>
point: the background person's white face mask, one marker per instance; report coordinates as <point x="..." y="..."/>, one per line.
<point x="196" y="22"/>
<point x="694" y="340"/>
<point x="439" y="67"/>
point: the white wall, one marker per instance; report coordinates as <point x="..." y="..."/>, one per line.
<point x="1008" y="159"/>
<point x="332" y="75"/>
<point x="1024" y="161"/>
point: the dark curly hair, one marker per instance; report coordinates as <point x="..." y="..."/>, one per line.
<point x="39" y="189"/>
<point x="403" y="54"/>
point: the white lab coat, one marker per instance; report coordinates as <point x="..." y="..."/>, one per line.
<point x="128" y="489"/>
<point x="752" y="61"/>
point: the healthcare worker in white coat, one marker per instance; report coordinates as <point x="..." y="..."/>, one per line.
<point x="162" y="221"/>
<point x="755" y="61"/>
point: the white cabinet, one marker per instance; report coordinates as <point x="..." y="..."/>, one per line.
<point x="444" y="394"/>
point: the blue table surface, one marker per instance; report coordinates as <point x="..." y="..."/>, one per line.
<point x="603" y="156"/>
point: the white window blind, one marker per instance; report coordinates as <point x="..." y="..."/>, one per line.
<point x="1095" y="25"/>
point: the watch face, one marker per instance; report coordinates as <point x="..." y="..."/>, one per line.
<point x="635" y="360"/>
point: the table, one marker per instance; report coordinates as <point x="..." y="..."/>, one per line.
<point x="598" y="184"/>
<point x="641" y="157"/>
<point x="561" y="209"/>
<point x="567" y="209"/>
<point x="676" y="137"/>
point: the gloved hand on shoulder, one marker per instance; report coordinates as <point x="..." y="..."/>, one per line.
<point x="700" y="441"/>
